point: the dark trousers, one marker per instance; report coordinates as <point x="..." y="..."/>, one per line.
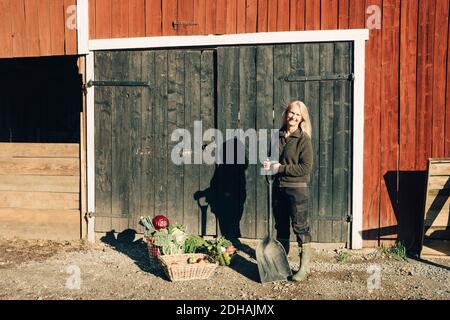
<point x="290" y="207"/>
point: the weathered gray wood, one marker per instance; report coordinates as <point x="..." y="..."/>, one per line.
<point x="135" y="143"/>
<point x="325" y="230"/>
<point x="228" y="207"/>
<point x="264" y="120"/>
<point x="120" y="152"/>
<point x="247" y="111"/>
<point x="121" y="157"/>
<point x="282" y="67"/>
<point x="312" y="101"/>
<point x="148" y="150"/>
<point x="298" y="67"/>
<point x="175" y="173"/>
<point x="208" y="222"/>
<point x="341" y="136"/>
<point x="103" y="131"/>
<point x="160" y="129"/>
<point x="192" y="91"/>
<point x="326" y="132"/>
<point x="337" y="232"/>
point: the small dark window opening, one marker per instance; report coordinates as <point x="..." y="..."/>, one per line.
<point x="40" y="100"/>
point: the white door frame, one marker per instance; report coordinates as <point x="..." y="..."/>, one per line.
<point x="357" y="36"/>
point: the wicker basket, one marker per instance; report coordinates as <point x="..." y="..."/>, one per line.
<point x="177" y="267"/>
<point x="153" y="251"/>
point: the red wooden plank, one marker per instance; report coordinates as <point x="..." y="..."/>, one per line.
<point x="357" y="14"/>
<point x="70" y="16"/>
<point x="57" y="25"/>
<point x="372" y="129"/>
<point x="262" y="15"/>
<point x="18" y="28"/>
<point x="297" y="18"/>
<point x="103" y="19"/>
<point x="389" y="119"/>
<point x="241" y="8"/>
<point x="6" y="49"/>
<point x="136" y="26"/>
<point x="439" y="77"/>
<point x="344" y="14"/>
<point x="251" y="16"/>
<point x="424" y="83"/>
<point x="200" y="16"/>
<point x="185" y="14"/>
<point x="92" y="19"/>
<point x="169" y="15"/>
<point x="447" y="104"/>
<point x="329" y="15"/>
<point x="120" y="16"/>
<point x="221" y="16"/>
<point x="312" y="19"/>
<point x="408" y="76"/>
<point x="45" y="37"/>
<point x="231" y="17"/>
<point x="32" y="27"/>
<point x="272" y="15"/>
<point x="153" y="16"/>
<point x="283" y="15"/>
<point x="210" y="17"/>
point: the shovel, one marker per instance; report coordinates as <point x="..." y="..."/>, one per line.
<point x="273" y="264"/>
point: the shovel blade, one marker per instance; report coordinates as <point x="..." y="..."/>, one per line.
<point x="273" y="264"/>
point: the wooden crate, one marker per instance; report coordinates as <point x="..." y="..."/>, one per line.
<point x="436" y="231"/>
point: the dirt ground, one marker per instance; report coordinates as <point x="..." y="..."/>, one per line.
<point x="114" y="269"/>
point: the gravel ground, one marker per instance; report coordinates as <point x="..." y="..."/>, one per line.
<point x="45" y="270"/>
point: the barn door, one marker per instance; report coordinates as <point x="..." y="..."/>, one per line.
<point x="141" y="97"/>
<point x="264" y="80"/>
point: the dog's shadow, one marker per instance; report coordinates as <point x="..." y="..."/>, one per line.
<point x="136" y="250"/>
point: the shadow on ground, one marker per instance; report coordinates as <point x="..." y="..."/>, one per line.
<point x="241" y="264"/>
<point x="136" y="250"/>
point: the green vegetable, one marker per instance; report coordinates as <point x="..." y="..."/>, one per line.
<point x="226" y="258"/>
<point x="147" y="223"/>
<point x="171" y="240"/>
<point x="193" y="244"/>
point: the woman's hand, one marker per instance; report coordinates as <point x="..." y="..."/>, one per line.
<point x="275" y="167"/>
<point x="266" y="165"/>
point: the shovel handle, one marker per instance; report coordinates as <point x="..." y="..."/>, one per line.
<point x="269" y="180"/>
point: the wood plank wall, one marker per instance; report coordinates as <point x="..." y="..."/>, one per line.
<point x="40" y="190"/>
<point x="407" y="81"/>
<point x="32" y="28"/>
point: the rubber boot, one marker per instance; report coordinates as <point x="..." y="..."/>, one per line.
<point x="305" y="258"/>
<point x="285" y="243"/>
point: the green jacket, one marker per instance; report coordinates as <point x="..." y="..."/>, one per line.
<point x="296" y="159"/>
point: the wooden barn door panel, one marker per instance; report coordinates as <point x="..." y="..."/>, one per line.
<point x="320" y="75"/>
<point x="266" y="79"/>
<point x="141" y="97"/>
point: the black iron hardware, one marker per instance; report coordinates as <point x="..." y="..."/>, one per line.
<point x="299" y="78"/>
<point x="177" y="23"/>
<point x="101" y="83"/>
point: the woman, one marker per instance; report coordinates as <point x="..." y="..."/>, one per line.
<point x="290" y="193"/>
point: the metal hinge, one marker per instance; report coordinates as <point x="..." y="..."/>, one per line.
<point x="177" y="23"/>
<point x="112" y="83"/>
<point x="299" y="78"/>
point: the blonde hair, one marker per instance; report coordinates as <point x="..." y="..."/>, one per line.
<point x="305" y="125"/>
